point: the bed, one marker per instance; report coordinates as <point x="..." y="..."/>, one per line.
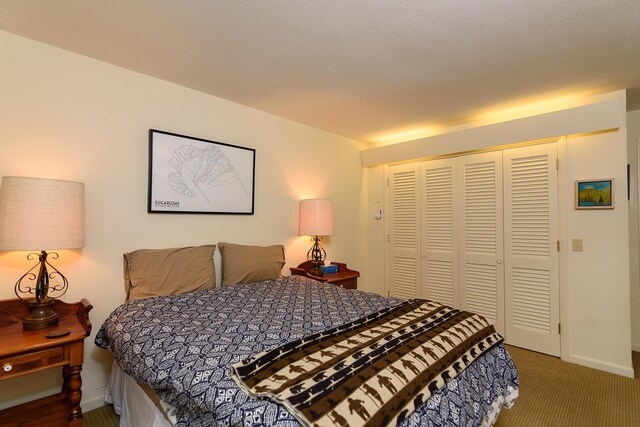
<point x="183" y="347"/>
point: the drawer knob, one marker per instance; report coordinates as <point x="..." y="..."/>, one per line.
<point x="7" y="367"/>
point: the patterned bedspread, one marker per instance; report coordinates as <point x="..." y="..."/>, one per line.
<point x="183" y="345"/>
<point x="370" y="372"/>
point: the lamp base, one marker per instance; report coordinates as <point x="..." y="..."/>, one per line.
<point x="316" y="256"/>
<point x="41" y="315"/>
<point x="316" y="270"/>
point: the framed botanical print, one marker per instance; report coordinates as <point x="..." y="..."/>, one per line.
<point x="195" y="175"/>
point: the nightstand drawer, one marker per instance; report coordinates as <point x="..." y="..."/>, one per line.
<point x="22" y="364"/>
<point x="346" y="283"/>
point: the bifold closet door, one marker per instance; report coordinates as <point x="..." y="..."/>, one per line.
<point x="531" y="235"/>
<point x="480" y="207"/>
<point x="439" y="240"/>
<point x="404" y="231"/>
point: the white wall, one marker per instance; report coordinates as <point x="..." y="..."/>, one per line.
<point x="633" y="138"/>
<point x="66" y="116"/>
<point x="376" y="232"/>
<point x="594" y="283"/>
<point x="601" y="113"/>
<point x="596" y="314"/>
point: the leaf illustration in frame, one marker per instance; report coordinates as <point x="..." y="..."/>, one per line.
<point x="196" y="166"/>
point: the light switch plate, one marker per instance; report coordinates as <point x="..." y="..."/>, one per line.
<point x="576" y="244"/>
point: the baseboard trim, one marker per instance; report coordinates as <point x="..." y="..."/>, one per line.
<point x="625" y="371"/>
<point x="635" y="347"/>
<point x="93" y="403"/>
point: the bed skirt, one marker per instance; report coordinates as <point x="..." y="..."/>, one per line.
<point x="132" y="403"/>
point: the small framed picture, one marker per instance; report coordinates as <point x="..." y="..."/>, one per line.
<point x="595" y="194"/>
<point x="195" y="175"/>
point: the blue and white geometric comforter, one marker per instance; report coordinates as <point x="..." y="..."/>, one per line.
<point x="182" y="347"/>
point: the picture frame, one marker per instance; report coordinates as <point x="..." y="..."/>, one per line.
<point x="198" y="176"/>
<point x="595" y="194"/>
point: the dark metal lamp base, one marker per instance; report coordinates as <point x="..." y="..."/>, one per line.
<point x="316" y="255"/>
<point x="316" y="270"/>
<point x="41" y="315"/>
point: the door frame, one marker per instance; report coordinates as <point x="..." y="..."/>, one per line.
<point x="565" y="202"/>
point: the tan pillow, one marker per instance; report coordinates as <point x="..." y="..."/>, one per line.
<point x="161" y="272"/>
<point x="249" y="264"/>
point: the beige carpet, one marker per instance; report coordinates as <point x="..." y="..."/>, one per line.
<point x="552" y="393"/>
<point x="556" y="393"/>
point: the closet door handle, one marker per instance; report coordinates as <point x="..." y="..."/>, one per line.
<point x="498" y="261"/>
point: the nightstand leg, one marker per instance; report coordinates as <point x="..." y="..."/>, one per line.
<point x="73" y="386"/>
<point x="65" y="384"/>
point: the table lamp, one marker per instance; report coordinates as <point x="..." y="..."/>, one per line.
<point x="316" y="219"/>
<point x="38" y="215"/>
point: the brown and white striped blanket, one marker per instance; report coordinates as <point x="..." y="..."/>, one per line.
<point x="373" y="371"/>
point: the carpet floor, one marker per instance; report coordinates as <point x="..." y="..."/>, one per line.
<point x="553" y="393"/>
<point x="556" y="393"/>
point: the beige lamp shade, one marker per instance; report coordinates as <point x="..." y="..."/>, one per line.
<point x="41" y="214"/>
<point x="316" y="217"/>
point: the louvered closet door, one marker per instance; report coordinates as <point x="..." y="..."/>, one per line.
<point x="439" y="264"/>
<point x="531" y="233"/>
<point x="481" y="236"/>
<point x="404" y="231"/>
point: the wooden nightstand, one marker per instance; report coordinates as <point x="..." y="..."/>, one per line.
<point x="23" y="352"/>
<point x="344" y="278"/>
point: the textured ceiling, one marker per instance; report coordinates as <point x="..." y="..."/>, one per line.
<point x="361" y="69"/>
